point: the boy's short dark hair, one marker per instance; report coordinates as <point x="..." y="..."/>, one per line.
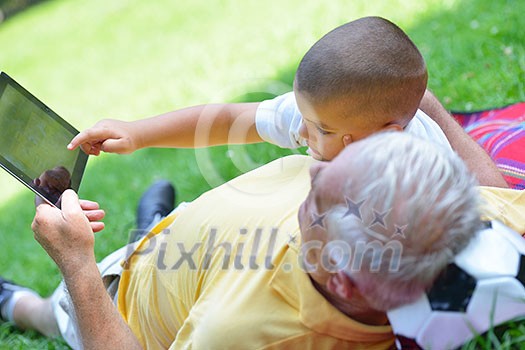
<point x="371" y="63"/>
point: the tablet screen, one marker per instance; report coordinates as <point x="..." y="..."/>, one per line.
<point x="33" y="141"/>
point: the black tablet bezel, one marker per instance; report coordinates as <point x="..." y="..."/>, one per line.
<point x="81" y="159"/>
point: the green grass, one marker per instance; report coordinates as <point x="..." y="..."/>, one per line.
<point x="130" y="59"/>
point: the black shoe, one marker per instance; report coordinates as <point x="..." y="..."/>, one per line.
<point x="7" y="288"/>
<point x="157" y="202"/>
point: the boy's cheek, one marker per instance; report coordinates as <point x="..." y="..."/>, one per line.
<point x="331" y="151"/>
<point x="314" y="154"/>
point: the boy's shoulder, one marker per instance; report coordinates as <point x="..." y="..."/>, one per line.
<point x="278" y="121"/>
<point x="425" y="127"/>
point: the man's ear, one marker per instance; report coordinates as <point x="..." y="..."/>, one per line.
<point x="341" y="285"/>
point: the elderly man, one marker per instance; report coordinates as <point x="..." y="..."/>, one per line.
<point x="251" y="264"/>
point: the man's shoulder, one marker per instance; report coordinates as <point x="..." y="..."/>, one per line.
<point x="263" y="195"/>
<point x="504" y="204"/>
<point x="290" y="172"/>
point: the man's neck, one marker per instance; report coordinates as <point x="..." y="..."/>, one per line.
<point x="357" y="311"/>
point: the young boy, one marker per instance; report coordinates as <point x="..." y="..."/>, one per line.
<point x="363" y="77"/>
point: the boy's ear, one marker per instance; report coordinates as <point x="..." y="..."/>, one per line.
<point x="347" y="139"/>
<point x="341" y="285"/>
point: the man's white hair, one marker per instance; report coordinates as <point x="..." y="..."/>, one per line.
<point x="419" y="209"/>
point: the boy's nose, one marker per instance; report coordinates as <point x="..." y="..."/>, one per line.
<point x="303" y="131"/>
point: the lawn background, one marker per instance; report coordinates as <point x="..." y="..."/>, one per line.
<point x="130" y="59"/>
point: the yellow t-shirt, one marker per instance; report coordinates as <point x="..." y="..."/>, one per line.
<point x="225" y="275"/>
<point x="505" y="205"/>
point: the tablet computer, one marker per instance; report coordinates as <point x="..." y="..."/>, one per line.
<point x="33" y="144"/>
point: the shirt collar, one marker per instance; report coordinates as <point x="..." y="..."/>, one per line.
<point x="315" y="312"/>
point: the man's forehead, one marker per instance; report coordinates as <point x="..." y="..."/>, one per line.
<point x="329" y="179"/>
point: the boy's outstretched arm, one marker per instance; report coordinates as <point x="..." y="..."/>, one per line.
<point x="477" y="160"/>
<point x="198" y="126"/>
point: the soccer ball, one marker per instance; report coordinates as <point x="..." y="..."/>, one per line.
<point x="483" y="287"/>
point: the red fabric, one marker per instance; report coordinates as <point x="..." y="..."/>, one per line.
<point x="501" y="132"/>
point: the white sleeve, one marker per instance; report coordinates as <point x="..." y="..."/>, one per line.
<point x="423" y="126"/>
<point x="278" y="121"/>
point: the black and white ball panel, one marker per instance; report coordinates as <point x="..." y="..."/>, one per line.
<point x="484" y="286"/>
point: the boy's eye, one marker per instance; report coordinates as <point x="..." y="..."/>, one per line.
<point x="322" y="131"/>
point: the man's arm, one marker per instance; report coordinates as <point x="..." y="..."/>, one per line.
<point x="477" y="160"/>
<point x="67" y="235"/>
<point x="198" y="126"/>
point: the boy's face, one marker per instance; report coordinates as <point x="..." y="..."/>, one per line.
<point x="326" y="130"/>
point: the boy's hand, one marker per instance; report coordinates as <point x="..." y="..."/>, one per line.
<point x="109" y="135"/>
<point x="67" y="234"/>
